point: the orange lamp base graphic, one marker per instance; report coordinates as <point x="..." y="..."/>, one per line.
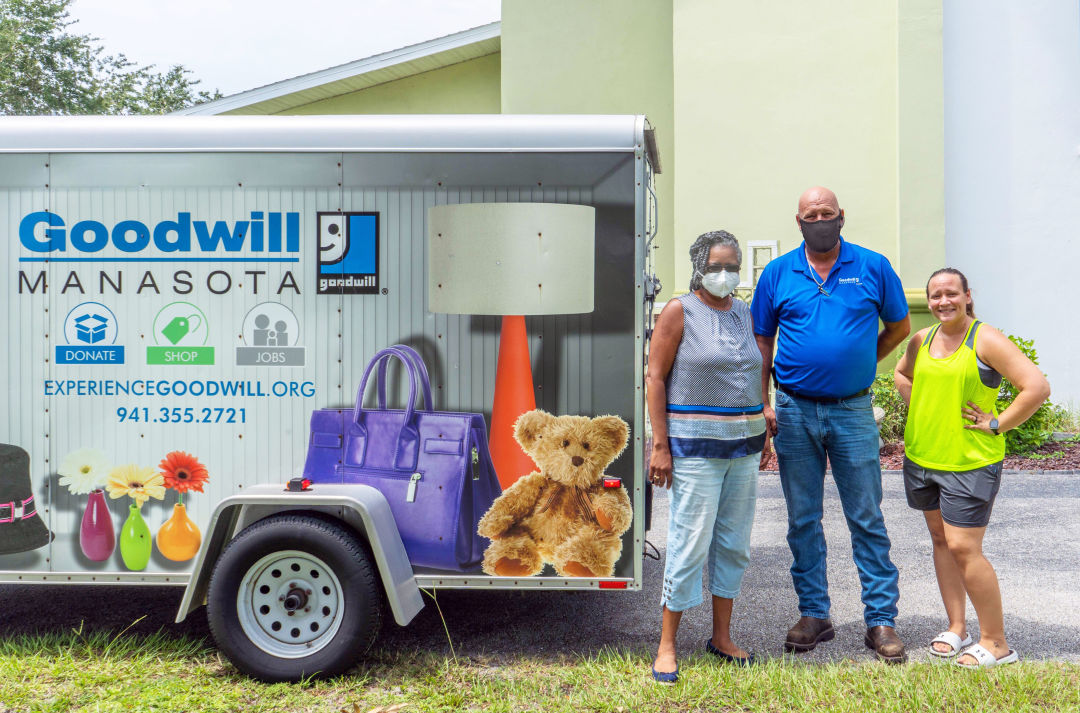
<point x="514" y="396"/>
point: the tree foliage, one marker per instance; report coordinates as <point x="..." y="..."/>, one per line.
<point x="45" y="69"/>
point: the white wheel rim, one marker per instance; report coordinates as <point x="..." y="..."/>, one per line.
<point x="290" y="604"/>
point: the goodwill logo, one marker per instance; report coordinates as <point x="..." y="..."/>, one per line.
<point x="348" y="253"/>
<point x="255" y="250"/>
<point x="45" y="232"/>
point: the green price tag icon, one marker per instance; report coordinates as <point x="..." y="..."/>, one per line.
<point x="179" y="328"/>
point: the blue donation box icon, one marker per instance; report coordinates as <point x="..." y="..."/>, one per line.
<point x="90" y="328"/>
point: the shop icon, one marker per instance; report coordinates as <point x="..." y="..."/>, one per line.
<point x="181" y="332"/>
<point x="178" y="328"/>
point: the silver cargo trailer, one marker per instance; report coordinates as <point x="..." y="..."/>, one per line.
<point x="165" y="313"/>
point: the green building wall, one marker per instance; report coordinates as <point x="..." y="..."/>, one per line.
<point x="598" y="57"/>
<point x="471" y="87"/>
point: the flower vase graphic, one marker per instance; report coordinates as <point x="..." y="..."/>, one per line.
<point x="140" y="484"/>
<point x="135" y="540"/>
<point x="83" y="472"/>
<point x="96" y="536"/>
<point x="179" y="538"/>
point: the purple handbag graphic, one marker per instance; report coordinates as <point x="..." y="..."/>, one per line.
<point x="433" y="467"/>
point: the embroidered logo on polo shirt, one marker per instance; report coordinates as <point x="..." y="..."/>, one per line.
<point x="850" y="281"/>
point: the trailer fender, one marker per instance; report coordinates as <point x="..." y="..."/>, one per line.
<point x="360" y="506"/>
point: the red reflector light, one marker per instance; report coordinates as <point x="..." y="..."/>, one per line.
<point x="610" y="482"/>
<point x="613" y="585"/>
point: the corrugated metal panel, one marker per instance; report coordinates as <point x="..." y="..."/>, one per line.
<point x="268" y="441"/>
<point x="582" y="363"/>
<point x="23" y="417"/>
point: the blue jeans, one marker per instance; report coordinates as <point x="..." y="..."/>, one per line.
<point x="845" y="433"/>
<point x="710" y="517"/>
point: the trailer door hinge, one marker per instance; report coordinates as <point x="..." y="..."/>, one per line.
<point x="652" y="287"/>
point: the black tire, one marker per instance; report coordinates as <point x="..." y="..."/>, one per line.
<point x="312" y="564"/>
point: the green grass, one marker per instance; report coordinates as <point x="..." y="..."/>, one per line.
<point x="101" y="672"/>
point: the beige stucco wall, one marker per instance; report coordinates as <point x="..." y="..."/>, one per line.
<point x="771" y="98"/>
<point x="471" y="87"/>
<point x="597" y="57"/>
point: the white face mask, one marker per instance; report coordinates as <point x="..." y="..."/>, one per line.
<point x="720" y="284"/>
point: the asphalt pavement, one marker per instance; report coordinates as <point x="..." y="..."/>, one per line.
<point x="1033" y="542"/>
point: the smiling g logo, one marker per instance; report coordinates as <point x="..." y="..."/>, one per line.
<point x="348" y="253"/>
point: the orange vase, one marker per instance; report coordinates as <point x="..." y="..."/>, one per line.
<point x="179" y="538"/>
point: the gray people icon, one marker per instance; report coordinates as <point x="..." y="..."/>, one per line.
<point x="262" y="334"/>
<point x="281" y="339"/>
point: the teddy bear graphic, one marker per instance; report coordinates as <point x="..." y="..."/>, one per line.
<point x="563" y="514"/>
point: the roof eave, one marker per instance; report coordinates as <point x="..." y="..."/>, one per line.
<point x="402" y="57"/>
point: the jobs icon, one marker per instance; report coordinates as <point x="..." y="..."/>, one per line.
<point x="271" y="335"/>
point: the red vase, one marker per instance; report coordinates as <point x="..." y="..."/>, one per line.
<point x="96" y="534"/>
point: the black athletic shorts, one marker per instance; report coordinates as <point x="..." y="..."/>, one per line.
<point x="964" y="497"/>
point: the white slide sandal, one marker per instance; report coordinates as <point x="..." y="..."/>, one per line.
<point x="986" y="659"/>
<point x="949" y="639"/>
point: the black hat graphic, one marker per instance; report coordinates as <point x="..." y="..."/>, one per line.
<point x="21" y="528"/>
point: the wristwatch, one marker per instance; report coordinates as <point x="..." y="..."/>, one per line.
<point x="994" y="426"/>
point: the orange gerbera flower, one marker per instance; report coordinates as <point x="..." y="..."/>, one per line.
<point x="183" y="472"/>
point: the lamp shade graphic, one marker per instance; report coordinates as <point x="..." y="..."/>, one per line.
<point x="21" y="527"/>
<point x="511" y="259"/>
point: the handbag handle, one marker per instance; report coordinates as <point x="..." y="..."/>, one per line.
<point x="408" y="435"/>
<point x="417" y="362"/>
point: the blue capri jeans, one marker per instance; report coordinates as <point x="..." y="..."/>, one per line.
<point x="711" y="515"/>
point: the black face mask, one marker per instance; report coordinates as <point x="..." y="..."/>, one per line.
<point x="821" y="235"/>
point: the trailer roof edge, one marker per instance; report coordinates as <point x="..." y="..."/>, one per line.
<point x="393" y="133"/>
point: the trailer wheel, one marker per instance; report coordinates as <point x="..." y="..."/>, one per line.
<point x="294" y="596"/>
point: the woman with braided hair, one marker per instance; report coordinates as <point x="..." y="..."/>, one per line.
<point x="707" y="414"/>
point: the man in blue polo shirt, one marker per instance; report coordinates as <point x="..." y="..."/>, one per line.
<point x="825" y="299"/>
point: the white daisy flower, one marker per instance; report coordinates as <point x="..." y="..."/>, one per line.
<point x="84" y="470"/>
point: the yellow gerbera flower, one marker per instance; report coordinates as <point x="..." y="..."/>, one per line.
<point x="137" y="482"/>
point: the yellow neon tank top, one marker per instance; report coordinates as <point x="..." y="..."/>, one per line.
<point x="934" y="436"/>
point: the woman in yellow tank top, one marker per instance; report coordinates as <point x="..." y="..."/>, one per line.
<point x="954" y="445"/>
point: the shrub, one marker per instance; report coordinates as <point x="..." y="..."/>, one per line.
<point x="887" y="397"/>
<point x="1036" y="430"/>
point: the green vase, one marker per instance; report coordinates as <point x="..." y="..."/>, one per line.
<point x="135" y="540"/>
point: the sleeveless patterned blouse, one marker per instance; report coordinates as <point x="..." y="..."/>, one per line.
<point x="714" y="405"/>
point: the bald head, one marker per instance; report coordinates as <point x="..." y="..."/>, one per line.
<point x="818" y="203"/>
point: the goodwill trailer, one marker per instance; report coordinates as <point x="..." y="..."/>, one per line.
<point x="192" y="303"/>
